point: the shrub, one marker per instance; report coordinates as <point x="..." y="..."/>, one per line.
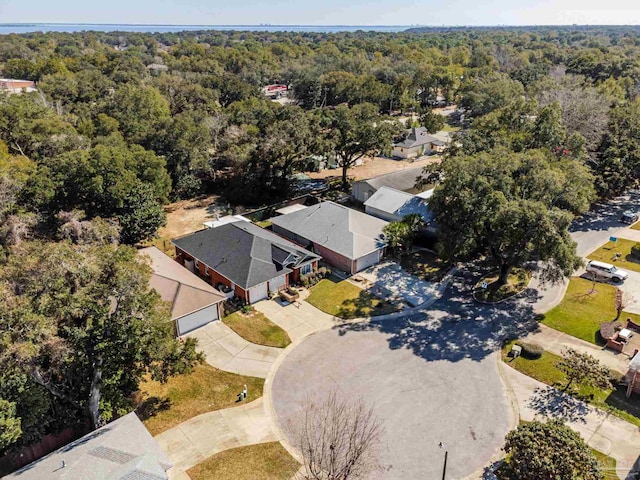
<point x="246" y="309"/>
<point x="635" y="251"/>
<point x="531" y="351"/>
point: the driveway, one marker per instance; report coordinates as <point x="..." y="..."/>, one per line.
<point x="389" y="279"/>
<point x="226" y="350"/>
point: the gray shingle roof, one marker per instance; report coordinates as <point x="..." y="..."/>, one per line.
<point x="122" y="449"/>
<point x="399" y="203"/>
<point x="417" y="137"/>
<point x="401" y="180"/>
<point x="348" y="232"/>
<point x="244" y="253"/>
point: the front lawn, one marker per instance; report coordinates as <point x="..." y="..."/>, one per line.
<point x="254" y="327"/>
<point x="264" y="461"/>
<point x="185" y="396"/>
<point x="582" y="310"/>
<point x="494" y="292"/>
<point x="544" y="370"/>
<point x="425" y="265"/>
<point x="345" y="300"/>
<point x="618" y="254"/>
<point x="608" y="465"/>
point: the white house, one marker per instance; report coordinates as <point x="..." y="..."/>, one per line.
<point x="417" y="143"/>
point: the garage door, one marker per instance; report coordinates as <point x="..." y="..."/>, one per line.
<point x="368" y="260"/>
<point x="258" y="292"/>
<point x="197" y="319"/>
<point x="276" y="283"/>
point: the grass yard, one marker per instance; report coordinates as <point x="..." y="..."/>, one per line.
<point x="343" y="299"/>
<point x="425" y="265"/>
<point x="635" y="226"/>
<point x="265" y="461"/>
<point x="450" y="128"/>
<point x="518" y="280"/>
<point x="264" y="224"/>
<point x="608" y="465"/>
<point x="256" y="328"/>
<point x="580" y="313"/>
<point x="607" y="253"/>
<point x="185" y="396"/>
<point x="544" y="370"/>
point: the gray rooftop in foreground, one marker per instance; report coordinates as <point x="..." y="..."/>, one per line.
<point x="401" y="180"/>
<point x="399" y="203"/>
<point x="348" y="232"/>
<point x="121" y="450"/>
<point x="245" y="253"/>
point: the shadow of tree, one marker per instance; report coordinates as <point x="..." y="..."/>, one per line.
<point x="553" y="403"/>
<point x="605" y="216"/>
<point x="151" y="407"/>
<point x="364" y="305"/>
<point x="455" y="327"/>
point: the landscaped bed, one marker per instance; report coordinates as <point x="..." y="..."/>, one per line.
<point x="185" y="396"/>
<point x="544" y="370"/>
<point x="254" y="327"/>
<point x="343" y="299"/>
<point x="425" y="265"/>
<point x="494" y="292"/>
<point x="618" y="254"/>
<point x="265" y="461"/>
<point x="585" y="306"/>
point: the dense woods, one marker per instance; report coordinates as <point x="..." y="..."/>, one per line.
<point x="123" y="123"/>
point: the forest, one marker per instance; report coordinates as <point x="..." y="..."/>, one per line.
<point x="122" y="124"/>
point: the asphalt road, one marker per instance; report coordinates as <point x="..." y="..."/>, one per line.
<point x="431" y="377"/>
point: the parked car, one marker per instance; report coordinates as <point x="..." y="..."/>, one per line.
<point x="629" y="217"/>
<point x="606" y="270"/>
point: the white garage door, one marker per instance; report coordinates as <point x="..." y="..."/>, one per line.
<point x="258" y="292"/>
<point x="276" y="283"/>
<point x="197" y="319"/>
<point x="368" y="260"/>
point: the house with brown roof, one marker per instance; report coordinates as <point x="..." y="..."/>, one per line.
<point x="194" y="302"/>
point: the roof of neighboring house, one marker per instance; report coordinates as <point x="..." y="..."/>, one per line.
<point x="401" y="180"/>
<point x="426" y="194"/>
<point x="417" y="137"/>
<point x="343" y="230"/>
<point x="290" y="209"/>
<point x="121" y="450"/>
<point x="224" y="220"/>
<point x="399" y="203"/>
<point x="183" y="289"/>
<point x="244" y="253"/>
<point x="634" y="364"/>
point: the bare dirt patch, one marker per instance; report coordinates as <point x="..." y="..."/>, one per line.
<point x="374" y="167"/>
<point x="187" y="216"/>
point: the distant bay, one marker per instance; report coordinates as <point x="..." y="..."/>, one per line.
<point x="6" y="28"/>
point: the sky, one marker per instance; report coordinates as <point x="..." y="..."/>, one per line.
<point x="323" y="12"/>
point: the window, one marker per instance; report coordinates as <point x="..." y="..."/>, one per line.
<point x="306" y="269"/>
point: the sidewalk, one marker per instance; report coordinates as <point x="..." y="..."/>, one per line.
<point x="602" y="431"/>
<point x="556" y="342"/>
<point x="228" y="351"/>
<point x="198" y="438"/>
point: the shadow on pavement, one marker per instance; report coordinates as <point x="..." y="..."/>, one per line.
<point x="456" y="327"/>
<point x="553" y="403"/>
<point x="605" y="216"/>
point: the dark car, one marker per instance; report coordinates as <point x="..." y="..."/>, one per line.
<point x="629" y="217"/>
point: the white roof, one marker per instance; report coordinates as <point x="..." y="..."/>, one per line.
<point x="224" y="220"/>
<point x="634" y="364"/>
<point x="426" y="194"/>
<point x="398" y="203"/>
<point x="290" y="209"/>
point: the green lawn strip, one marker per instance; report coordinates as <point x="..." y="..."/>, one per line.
<point x="608" y="465"/>
<point x="256" y="328"/>
<point x="582" y="311"/>
<point x="544" y="370"/>
<point x="264" y="461"/>
<point x="185" y="396"/>
<point x="264" y="224"/>
<point x="424" y="265"/>
<point x="343" y="299"/>
<point x="450" y="128"/>
<point x="635" y="226"/>
<point x="518" y="280"/>
<point x="607" y="253"/>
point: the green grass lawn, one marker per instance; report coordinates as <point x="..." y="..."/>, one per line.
<point x="544" y="370"/>
<point x="256" y="328"/>
<point x="581" y="313"/>
<point x="345" y="300"/>
<point x="264" y="224"/>
<point x="635" y="226"/>
<point x="607" y="252"/>
<point x="185" y="396"/>
<point x="425" y="265"/>
<point x="450" y="128"/>
<point x="608" y="465"/>
<point x="518" y="280"/>
<point x="265" y="461"/>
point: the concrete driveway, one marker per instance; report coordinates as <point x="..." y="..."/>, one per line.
<point x="389" y="279"/>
